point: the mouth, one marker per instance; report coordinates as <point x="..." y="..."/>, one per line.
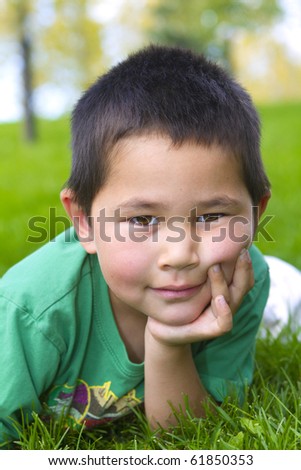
<point x="177" y="292"/>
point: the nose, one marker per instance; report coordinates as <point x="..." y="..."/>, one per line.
<point x="178" y="250"/>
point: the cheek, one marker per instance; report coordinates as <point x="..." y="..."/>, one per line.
<point x="225" y="252"/>
<point x="238" y="230"/>
<point x="122" y="264"/>
<point x="228" y="263"/>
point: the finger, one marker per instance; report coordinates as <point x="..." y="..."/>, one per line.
<point x="222" y="313"/>
<point x="218" y="282"/>
<point x="243" y="278"/>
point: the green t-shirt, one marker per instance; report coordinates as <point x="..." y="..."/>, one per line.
<point x="60" y="345"/>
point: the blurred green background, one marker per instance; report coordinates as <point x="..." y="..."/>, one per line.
<point x="53" y="49"/>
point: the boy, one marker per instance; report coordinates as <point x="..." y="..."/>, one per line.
<point x="165" y="192"/>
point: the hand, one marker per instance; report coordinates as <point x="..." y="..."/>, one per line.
<point x="217" y="318"/>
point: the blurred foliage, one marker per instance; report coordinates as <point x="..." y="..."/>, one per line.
<point x="66" y="45"/>
<point x="265" y="68"/>
<point x="208" y="26"/>
<point x="71" y="42"/>
<point x="67" y="37"/>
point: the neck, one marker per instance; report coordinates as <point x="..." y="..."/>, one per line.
<point x="131" y="327"/>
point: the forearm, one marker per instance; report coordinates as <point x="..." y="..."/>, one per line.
<point x="170" y="377"/>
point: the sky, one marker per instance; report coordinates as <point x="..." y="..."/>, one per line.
<point x="287" y="31"/>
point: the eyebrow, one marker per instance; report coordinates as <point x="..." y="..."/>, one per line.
<point x="222" y="201"/>
<point x="136" y="203"/>
<point x="143" y="204"/>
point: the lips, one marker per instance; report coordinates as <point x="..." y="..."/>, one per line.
<point x="177" y="288"/>
<point x="177" y="292"/>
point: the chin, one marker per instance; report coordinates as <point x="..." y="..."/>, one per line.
<point x="187" y="320"/>
<point x="184" y="316"/>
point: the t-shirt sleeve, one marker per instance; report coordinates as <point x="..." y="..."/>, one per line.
<point x="226" y="364"/>
<point x="28" y="362"/>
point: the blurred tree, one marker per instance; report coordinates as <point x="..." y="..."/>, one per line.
<point x="25" y="42"/>
<point x="207" y="26"/>
<point x="15" y="17"/>
<point x="59" y="43"/>
<point x="70" y="51"/>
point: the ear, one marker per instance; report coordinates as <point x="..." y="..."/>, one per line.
<point x="79" y="219"/>
<point x="263" y="203"/>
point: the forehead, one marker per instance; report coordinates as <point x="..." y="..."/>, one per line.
<point x="158" y="153"/>
<point x="152" y="168"/>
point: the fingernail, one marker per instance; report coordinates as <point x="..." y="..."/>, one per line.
<point x="216" y="268"/>
<point x="221" y="300"/>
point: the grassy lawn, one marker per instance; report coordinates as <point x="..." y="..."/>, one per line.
<point x="281" y="150"/>
<point x="31" y="178"/>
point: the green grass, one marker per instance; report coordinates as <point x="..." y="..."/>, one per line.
<point x="31" y="178"/>
<point x="281" y="150"/>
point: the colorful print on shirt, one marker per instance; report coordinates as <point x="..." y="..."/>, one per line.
<point x="90" y="405"/>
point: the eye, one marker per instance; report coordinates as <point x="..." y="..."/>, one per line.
<point x="144" y="220"/>
<point x="209" y="217"/>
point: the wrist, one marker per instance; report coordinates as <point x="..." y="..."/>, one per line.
<point x="164" y="348"/>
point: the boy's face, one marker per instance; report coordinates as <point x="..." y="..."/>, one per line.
<point x="165" y="215"/>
